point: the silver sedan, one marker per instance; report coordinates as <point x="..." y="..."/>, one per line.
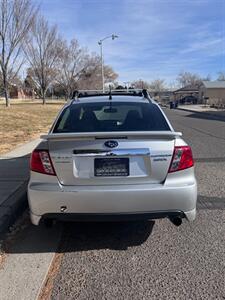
<point x="110" y="157"/>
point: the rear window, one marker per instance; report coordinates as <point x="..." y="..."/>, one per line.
<point x="111" y="116"/>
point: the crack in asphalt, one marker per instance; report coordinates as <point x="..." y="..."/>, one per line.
<point x="210" y="203"/>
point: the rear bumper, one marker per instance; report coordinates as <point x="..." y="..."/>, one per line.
<point x="108" y="217"/>
<point x="106" y="202"/>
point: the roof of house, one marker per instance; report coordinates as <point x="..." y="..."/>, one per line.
<point x="214" y="84"/>
<point x="188" y="88"/>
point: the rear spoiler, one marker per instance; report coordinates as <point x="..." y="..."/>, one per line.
<point x="166" y="135"/>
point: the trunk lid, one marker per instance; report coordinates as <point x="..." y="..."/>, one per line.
<point x="148" y="155"/>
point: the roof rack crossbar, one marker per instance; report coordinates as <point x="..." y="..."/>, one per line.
<point x="93" y="93"/>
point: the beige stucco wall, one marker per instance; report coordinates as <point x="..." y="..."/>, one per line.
<point x="216" y="96"/>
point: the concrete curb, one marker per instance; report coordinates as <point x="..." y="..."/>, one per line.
<point x="12" y="208"/>
<point x="14" y="177"/>
<point x="215" y="116"/>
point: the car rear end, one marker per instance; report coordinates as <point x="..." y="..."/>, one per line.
<point x="112" y="159"/>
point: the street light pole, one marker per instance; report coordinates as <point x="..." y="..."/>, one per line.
<point x="113" y="37"/>
<point x="102" y="66"/>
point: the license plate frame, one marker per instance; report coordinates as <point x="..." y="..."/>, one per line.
<point x="114" y="167"/>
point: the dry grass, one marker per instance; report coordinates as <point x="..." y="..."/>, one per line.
<point x="25" y="120"/>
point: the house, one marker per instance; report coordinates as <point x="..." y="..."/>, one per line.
<point x="165" y="96"/>
<point x="189" y="90"/>
<point x="20" y="93"/>
<point x="213" y="93"/>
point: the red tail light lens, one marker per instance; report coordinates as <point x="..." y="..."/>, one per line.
<point x="41" y="162"/>
<point x="182" y="159"/>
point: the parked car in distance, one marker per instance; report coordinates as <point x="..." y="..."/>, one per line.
<point x="188" y="100"/>
<point x="112" y="157"/>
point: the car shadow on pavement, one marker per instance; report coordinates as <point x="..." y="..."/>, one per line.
<point x="74" y="236"/>
<point x="216" y="116"/>
<point x="107" y="235"/>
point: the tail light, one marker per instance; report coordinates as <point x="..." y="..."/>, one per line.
<point x="41" y="162"/>
<point x="182" y="159"/>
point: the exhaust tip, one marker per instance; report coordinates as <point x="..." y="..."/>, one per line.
<point x="176" y="221"/>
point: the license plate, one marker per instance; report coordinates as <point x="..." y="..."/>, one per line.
<point x="107" y="167"/>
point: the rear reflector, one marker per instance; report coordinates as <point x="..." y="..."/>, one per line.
<point x="41" y="162"/>
<point x="182" y="159"/>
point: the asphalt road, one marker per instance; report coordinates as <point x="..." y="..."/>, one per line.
<point x="156" y="260"/>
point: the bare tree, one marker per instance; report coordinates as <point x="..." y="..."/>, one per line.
<point x="74" y="63"/>
<point x="207" y="78"/>
<point x="187" y="78"/>
<point x="43" y="50"/>
<point x="16" y="19"/>
<point x="157" y="85"/>
<point x="221" y="76"/>
<point x="140" y="84"/>
<point x="91" y="78"/>
<point x="109" y="74"/>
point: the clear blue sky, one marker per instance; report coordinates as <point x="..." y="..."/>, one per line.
<point x="157" y="38"/>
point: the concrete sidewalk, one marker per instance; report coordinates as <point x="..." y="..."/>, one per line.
<point x="201" y="109"/>
<point x="14" y="176"/>
<point x="27" y="262"/>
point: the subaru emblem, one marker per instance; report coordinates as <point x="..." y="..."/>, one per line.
<point x="111" y="144"/>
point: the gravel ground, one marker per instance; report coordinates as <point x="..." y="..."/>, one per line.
<point x="156" y="260"/>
